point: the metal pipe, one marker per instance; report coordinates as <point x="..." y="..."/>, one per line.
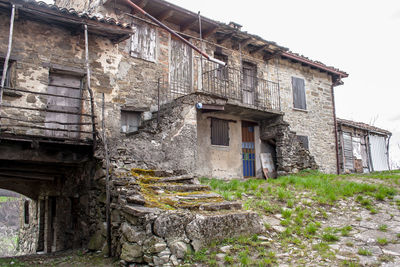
<point x="89" y="85"/>
<point x="108" y="194"/>
<point x="387" y="147"/>
<point x="10" y="38"/>
<point x="171" y="31"/>
<point x="334" y="84"/>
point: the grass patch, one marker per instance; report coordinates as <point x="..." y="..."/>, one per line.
<point x="383" y="227"/>
<point x="382" y="241"/>
<point x="364" y="252"/>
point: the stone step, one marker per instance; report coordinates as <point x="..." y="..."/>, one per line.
<point x="179" y="187"/>
<point x="217" y="206"/>
<point x="202" y="229"/>
<point x="198" y="196"/>
<point x="179" y="179"/>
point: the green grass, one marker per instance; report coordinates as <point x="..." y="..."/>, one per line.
<point x="8" y="199"/>
<point x="383" y="227"/>
<point x="382" y="241"/>
<point x="364" y="252"/>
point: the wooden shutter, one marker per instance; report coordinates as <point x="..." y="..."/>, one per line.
<point x="299" y="93"/>
<point x="143" y="43"/>
<point x="180" y="68"/>
<point x="219" y="132"/>
<point x="348" y="151"/>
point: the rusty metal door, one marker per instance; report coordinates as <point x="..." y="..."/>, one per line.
<point x="64" y="122"/>
<point x="248" y="149"/>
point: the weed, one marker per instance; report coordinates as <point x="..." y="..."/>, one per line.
<point x="347" y="263"/>
<point x="386" y="258"/>
<point x="364" y="252"/>
<point x="229" y="259"/>
<point x="382" y="241"/>
<point x="346" y="230"/>
<point x="383" y="227"/>
<point x="311" y="228"/>
<point x="329" y="235"/>
<point x="349" y="244"/>
<point x="286" y="213"/>
<point x="290" y="203"/>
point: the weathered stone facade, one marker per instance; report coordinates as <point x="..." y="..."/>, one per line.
<point x="173" y="135"/>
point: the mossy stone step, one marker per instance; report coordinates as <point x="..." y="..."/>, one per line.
<point x="180" y="187"/>
<point x="180" y="180"/>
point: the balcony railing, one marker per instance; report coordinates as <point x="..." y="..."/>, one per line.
<point x="57" y="115"/>
<point x="240" y="86"/>
<point x="233" y="84"/>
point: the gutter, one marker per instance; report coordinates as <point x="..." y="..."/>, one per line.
<point x="171" y="31"/>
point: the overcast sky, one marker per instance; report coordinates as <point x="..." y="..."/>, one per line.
<point x="361" y="37"/>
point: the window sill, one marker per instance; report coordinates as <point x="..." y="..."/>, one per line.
<point x="301" y="110"/>
<point x="220" y="147"/>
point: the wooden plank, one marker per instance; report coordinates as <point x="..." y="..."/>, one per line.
<point x="188" y="24"/>
<point x="164" y="15"/>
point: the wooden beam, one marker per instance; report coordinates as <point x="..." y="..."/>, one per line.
<point x="209" y="32"/>
<point x="165" y="14"/>
<point x="188" y="24"/>
<point x="225" y="38"/>
<point x="258" y="49"/>
<point x="18" y="175"/>
<point x="246" y="41"/>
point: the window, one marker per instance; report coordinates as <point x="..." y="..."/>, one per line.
<point x="299" y="93"/>
<point x="219" y="132"/>
<point x="7" y="81"/>
<point x="130" y="121"/>
<point x="303" y="139"/>
<point x="144" y="43"/>
<point x="26" y="212"/>
<point x="222" y="72"/>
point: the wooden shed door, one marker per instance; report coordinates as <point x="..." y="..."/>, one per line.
<point x="248" y="149"/>
<point x="63" y="85"/>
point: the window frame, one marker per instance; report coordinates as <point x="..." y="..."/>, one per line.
<point x="304" y="145"/>
<point x="125" y="120"/>
<point x="7" y="81"/>
<point x="296" y="94"/>
<point x="138" y="51"/>
<point x="219" y="134"/>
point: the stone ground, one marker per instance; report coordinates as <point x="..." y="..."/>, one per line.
<point x="328" y="220"/>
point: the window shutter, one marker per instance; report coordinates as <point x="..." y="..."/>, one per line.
<point x="299" y="93"/>
<point x="143" y="43"/>
<point x="303" y="139"/>
<point x="219" y="132"/>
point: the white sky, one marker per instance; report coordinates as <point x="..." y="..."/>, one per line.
<point x="361" y="37"/>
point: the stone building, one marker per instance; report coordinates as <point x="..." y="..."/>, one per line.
<point x="362" y="147"/>
<point x="93" y="92"/>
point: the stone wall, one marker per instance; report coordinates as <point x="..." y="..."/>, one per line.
<point x="291" y="157"/>
<point x="28" y="232"/>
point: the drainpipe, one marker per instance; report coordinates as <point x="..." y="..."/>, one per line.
<point x="10" y="39"/>
<point x="387" y="147"/>
<point x="171" y="31"/>
<point x="369" y="154"/>
<point x="334" y="84"/>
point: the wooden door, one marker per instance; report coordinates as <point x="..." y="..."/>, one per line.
<point x="63" y="85"/>
<point x="249" y="83"/>
<point x="248" y="149"/>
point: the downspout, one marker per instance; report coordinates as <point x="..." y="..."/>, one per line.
<point x="369" y="154"/>
<point x="7" y="59"/>
<point x="171" y="31"/>
<point x="387" y="147"/>
<point x="108" y="195"/>
<point x="334" y="84"/>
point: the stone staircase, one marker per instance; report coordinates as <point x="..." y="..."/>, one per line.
<point x="174" y="209"/>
